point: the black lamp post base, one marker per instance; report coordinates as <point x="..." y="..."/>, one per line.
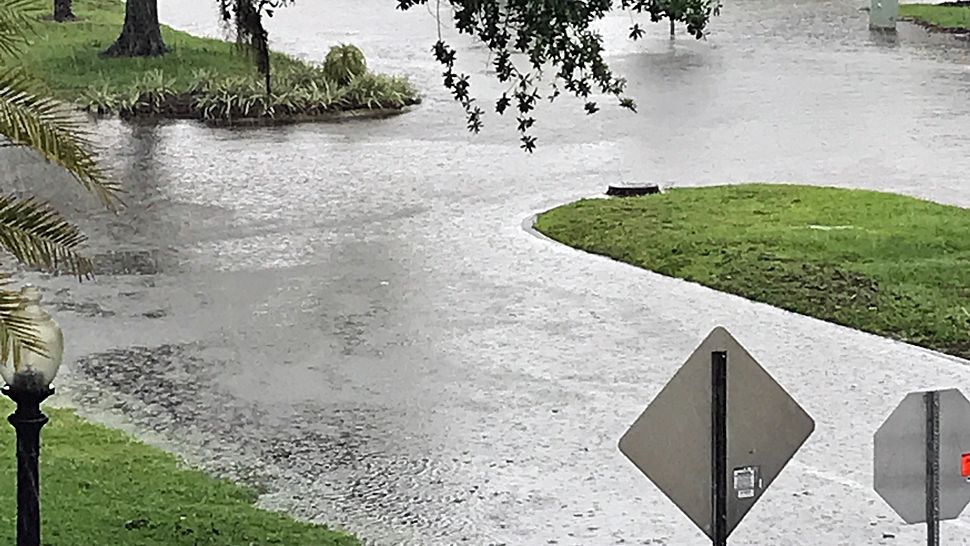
<point x="28" y="419"/>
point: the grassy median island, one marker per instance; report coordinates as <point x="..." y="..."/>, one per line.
<point x="100" y="486"/>
<point x="200" y="78"/>
<point x="949" y="16"/>
<point x="882" y="263"/>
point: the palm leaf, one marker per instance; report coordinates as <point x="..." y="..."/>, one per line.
<point x="39" y="236"/>
<point x="30" y="118"/>
<point x="16" y="17"/>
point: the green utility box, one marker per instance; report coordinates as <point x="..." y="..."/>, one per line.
<point x="883" y="14"/>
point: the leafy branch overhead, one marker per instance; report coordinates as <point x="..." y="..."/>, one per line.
<point x="696" y="14"/>
<point x="30" y="231"/>
<point x="246" y="18"/>
<point x="31" y="119"/>
<point x="37" y="235"/>
<point x="557" y="35"/>
<point x="550" y="34"/>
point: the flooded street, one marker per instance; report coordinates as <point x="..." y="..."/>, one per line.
<point x="352" y="317"/>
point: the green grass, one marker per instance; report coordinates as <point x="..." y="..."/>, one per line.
<point x="100" y="486"/>
<point x="65" y="55"/>
<point x="948" y="17"/>
<point x="200" y="78"/>
<point x="901" y="269"/>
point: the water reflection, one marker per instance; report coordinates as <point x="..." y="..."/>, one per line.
<point x="884" y="37"/>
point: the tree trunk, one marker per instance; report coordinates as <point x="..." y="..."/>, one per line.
<point x="62" y="11"/>
<point x="671" y="27"/>
<point x="141" y="35"/>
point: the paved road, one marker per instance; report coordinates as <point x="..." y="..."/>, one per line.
<point x="353" y="317"/>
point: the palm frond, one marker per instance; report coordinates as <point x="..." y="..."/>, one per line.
<point x="39" y="236"/>
<point x="28" y="117"/>
<point x="16" y="18"/>
<point x="16" y="331"/>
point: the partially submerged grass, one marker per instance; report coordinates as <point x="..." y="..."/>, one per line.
<point x="296" y="92"/>
<point x="200" y="77"/>
<point x="100" y="486"/>
<point x="938" y="16"/>
<point x="882" y="263"/>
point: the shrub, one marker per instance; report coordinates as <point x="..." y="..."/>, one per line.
<point x="344" y="63"/>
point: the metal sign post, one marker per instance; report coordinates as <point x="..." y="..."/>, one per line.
<point x="717" y="435"/>
<point x="922" y="459"/>
<point x="932" y="401"/>
<point x="719" y="443"/>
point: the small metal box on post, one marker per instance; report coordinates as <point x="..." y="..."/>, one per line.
<point x="883" y="14"/>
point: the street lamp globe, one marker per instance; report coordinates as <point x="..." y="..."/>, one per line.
<point x="33" y="371"/>
<point x="29" y="375"/>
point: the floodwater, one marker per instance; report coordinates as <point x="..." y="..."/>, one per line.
<point x="352" y="317"/>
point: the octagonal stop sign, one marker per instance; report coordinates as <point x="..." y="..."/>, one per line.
<point x="900" y="455"/>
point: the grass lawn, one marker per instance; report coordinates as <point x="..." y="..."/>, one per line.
<point x="200" y="78"/>
<point x="100" y="486"/>
<point x="945" y="17"/>
<point x="65" y="55"/>
<point x="882" y="263"/>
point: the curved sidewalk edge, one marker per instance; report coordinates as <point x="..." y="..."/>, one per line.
<point x="528" y="225"/>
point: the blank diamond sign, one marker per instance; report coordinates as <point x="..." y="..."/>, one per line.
<point x="717" y="435"/>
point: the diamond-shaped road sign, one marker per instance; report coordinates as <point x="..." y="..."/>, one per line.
<point x="672" y="442"/>
<point x="899" y="453"/>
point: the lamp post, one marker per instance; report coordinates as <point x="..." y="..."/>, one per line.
<point x="28" y="377"/>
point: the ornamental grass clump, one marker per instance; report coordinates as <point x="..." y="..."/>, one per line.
<point x="373" y="91"/>
<point x="154" y="91"/>
<point x="344" y="63"/>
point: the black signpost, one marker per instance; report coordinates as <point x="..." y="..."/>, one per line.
<point x="932" y="401"/>
<point x="719" y="444"/>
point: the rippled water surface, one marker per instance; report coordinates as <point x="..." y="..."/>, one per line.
<point x="352" y="317"/>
